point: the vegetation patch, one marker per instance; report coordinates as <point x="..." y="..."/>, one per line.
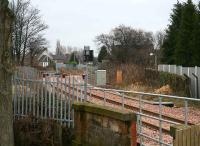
<point x="180" y="85"/>
<point x="33" y="132"/>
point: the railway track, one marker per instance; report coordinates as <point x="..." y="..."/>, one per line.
<point x="133" y="108"/>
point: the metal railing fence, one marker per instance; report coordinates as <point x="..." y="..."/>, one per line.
<point x="52" y="97"/>
<point x="140" y="114"/>
<point x="47" y="98"/>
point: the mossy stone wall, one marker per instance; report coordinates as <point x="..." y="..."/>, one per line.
<point x="103" y="126"/>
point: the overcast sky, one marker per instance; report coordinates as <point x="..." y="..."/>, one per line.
<point x="77" y="22"/>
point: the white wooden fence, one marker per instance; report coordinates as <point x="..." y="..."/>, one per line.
<point x="191" y="72"/>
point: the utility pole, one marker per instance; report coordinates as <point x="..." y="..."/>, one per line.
<point x="6" y="111"/>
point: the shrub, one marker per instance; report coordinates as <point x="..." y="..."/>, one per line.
<point x="179" y="84"/>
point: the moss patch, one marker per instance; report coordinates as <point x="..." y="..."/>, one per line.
<point x="122" y="115"/>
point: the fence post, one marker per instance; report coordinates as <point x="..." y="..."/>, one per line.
<point x="175" y="69"/>
<point x="181" y="70"/>
<point x="188" y="71"/>
<point x="196" y="89"/>
<point x="169" y="68"/>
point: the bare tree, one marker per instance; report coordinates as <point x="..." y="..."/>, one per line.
<point x="36" y="46"/>
<point x="60" y="49"/>
<point x="69" y="49"/>
<point x="28" y="26"/>
<point x="125" y="44"/>
<point x="158" y="39"/>
<point x="6" y="114"/>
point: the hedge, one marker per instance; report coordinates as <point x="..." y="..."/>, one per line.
<point x="179" y="84"/>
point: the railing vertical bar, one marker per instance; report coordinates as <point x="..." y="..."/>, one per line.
<point x="38" y="99"/>
<point x="23" y="88"/>
<point x="34" y="98"/>
<point x="104" y="98"/>
<point x="45" y="106"/>
<point x="26" y="107"/>
<point x="14" y="96"/>
<point x="42" y="97"/>
<point x="160" y="121"/>
<point x="61" y="101"/>
<point x="81" y="93"/>
<point x="73" y="89"/>
<point x="53" y="94"/>
<point x="90" y="94"/>
<point x="122" y="100"/>
<point x="73" y="103"/>
<point x="18" y="99"/>
<point x="57" y="99"/>
<point x="65" y="100"/>
<point x="50" y="94"/>
<point x="69" y="107"/>
<point x="77" y="93"/>
<point x="140" y="120"/>
<point x="186" y="112"/>
<point x="30" y="97"/>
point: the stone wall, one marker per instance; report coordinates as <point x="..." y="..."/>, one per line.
<point x="103" y="126"/>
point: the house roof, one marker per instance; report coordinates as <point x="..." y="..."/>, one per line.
<point x="59" y="57"/>
<point x="63" y="58"/>
<point x="45" y="53"/>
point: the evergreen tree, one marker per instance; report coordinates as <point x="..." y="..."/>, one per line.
<point x="185" y="43"/>
<point x="73" y="59"/>
<point x="102" y="54"/>
<point x="170" y="41"/>
<point x="196" y="39"/>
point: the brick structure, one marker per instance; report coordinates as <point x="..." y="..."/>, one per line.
<point x="103" y="126"/>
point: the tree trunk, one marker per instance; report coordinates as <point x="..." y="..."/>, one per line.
<point x="6" y="114"/>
